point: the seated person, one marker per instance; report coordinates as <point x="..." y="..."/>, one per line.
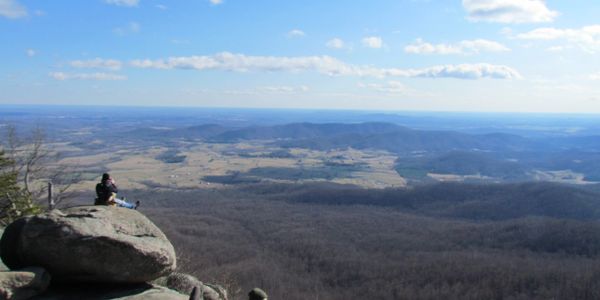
<point x="106" y="192"/>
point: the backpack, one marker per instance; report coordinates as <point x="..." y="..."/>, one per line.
<point x="101" y="197"/>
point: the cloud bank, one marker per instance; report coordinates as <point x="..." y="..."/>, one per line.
<point x="86" y="76"/>
<point x="12" y="9"/>
<point x="129" y="3"/>
<point x="328" y="65"/>
<point x="97" y="63"/>
<point x="466" y="47"/>
<point x="586" y="38"/>
<point x="509" y="11"/>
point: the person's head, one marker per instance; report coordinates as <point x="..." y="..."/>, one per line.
<point x="105" y="177"/>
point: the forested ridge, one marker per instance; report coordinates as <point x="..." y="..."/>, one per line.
<point x="446" y="241"/>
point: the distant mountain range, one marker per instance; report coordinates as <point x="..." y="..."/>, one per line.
<point x="383" y="136"/>
<point x="499" y="155"/>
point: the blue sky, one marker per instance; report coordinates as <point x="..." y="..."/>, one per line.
<point x="469" y="55"/>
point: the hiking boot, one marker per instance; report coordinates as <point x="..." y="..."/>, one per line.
<point x="137" y="203"/>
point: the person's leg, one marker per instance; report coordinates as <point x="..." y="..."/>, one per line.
<point x="123" y="203"/>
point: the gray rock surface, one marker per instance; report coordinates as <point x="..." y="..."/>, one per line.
<point x="214" y="292"/>
<point x="91" y="244"/>
<point x="3" y="267"/>
<point x="115" y="292"/>
<point x="23" y="284"/>
<point x="185" y="284"/>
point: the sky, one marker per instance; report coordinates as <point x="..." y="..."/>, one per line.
<point x="417" y="55"/>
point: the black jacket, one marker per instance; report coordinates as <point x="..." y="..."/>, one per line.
<point x="104" y="190"/>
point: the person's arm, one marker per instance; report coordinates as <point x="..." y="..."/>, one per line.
<point x="113" y="188"/>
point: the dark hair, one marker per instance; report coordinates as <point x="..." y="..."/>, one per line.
<point x="105" y="176"/>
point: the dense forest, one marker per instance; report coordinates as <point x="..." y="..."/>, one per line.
<point x="444" y="241"/>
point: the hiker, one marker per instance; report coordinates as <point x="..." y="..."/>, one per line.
<point x="106" y="192"/>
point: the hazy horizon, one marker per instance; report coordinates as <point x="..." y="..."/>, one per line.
<point x="308" y="109"/>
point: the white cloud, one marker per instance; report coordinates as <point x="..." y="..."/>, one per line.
<point x="131" y="28"/>
<point x="506" y="31"/>
<point x="30" y="52"/>
<point x="296" y="33"/>
<point x="98" y="63"/>
<point x="283" y="89"/>
<point x="372" y="42"/>
<point x="556" y="49"/>
<point x="12" y="9"/>
<point x="586" y="38"/>
<point x="270" y="90"/>
<point x="463" y="47"/>
<point x="216" y="2"/>
<point x="129" y="3"/>
<point x="180" y="42"/>
<point x="328" y="65"/>
<point x="509" y="11"/>
<point x="161" y="6"/>
<point x="335" y="43"/>
<point x="595" y="76"/>
<point x="391" y="87"/>
<point x="86" y="76"/>
<point x="461" y="71"/>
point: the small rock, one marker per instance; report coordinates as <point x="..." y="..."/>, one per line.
<point x="90" y="244"/>
<point x="23" y="284"/>
<point x="257" y="294"/>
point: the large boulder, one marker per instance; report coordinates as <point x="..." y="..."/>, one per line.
<point x="90" y="244"/>
<point x="23" y="284"/>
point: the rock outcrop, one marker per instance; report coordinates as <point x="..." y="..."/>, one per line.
<point x="90" y="244"/>
<point x="185" y="284"/>
<point x="94" y="252"/>
<point x="23" y="284"/>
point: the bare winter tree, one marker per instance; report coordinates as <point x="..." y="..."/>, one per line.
<point x="35" y="164"/>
